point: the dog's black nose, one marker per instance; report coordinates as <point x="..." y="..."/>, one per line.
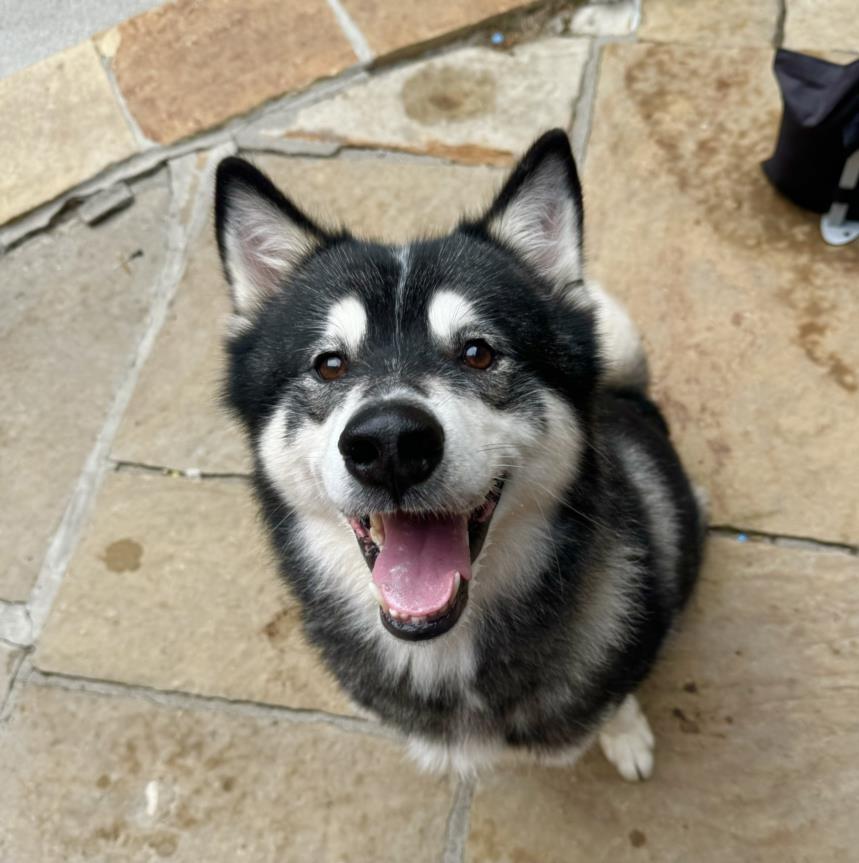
<point x="392" y="445"/>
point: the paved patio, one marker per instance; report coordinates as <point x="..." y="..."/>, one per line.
<point x="158" y="700"/>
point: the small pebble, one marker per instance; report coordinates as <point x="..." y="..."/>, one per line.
<point x="497" y="38"/>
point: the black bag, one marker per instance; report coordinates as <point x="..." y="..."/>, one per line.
<point x="816" y="159"/>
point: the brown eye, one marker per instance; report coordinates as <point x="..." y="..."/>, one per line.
<point x="330" y="367"/>
<point x="478" y="355"/>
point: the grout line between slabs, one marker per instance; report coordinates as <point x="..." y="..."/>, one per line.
<point x="64" y="540"/>
<point x="784" y="540"/>
<point x="176" y="699"/>
<point x="780" y="21"/>
<point x="584" y="105"/>
<point x="352" y="32"/>
<point x="140" y="139"/>
<point x="458" y="820"/>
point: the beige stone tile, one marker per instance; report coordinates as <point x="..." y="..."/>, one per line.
<point x="753" y="709"/>
<point x="809" y="24"/>
<point x="74" y="305"/>
<point x="392" y="28"/>
<point x="748" y="316"/>
<point x="192" y="64"/>
<point x="9" y="659"/>
<point x="172" y="587"/>
<point x="701" y="22"/>
<point x="174" y="419"/>
<point x="61" y="126"/>
<point x="88" y="778"/>
<point x="475" y="105"/>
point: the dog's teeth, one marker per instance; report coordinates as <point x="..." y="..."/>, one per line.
<point x="377" y="529"/>
<point x="394" y="613"/>
<point x="456" y="579"/>
<point x="419" y="620"/>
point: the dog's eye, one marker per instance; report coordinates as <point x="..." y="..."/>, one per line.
<point x="330" y="367"/>
<point x="478" y="354"/>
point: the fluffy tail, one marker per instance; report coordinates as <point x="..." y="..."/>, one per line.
<point x="625" y="363"/>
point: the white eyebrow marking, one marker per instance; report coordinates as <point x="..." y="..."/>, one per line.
<point x="347" y="323"/>
<point x="449" y="313"/>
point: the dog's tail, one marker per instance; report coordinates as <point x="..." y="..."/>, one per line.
<point x="624" y="361"/>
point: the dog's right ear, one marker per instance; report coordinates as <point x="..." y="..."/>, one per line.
<point x="262" y="236"/>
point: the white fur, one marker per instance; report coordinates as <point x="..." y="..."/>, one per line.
<point x="627" y="741"/>
<point x="449" y="313"/>
<point x="347" y="324"/>
<point x="310" y="476"/>
<point x="541" y="223"/>
<point x="625" y="362"/>
<point x="262" y="246"/>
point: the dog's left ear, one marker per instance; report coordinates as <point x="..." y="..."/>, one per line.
<point x="538" y="213"/>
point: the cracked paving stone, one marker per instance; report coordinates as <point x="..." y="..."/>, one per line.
<point x="474" y="105"/>
<point x="173" y="587"/>
<point x="753" y="708"/>
<point x="748" y="316"/>
<point x="175" y="419"/>
<point x="88" y="777"/>
<point x="75" y="302"/>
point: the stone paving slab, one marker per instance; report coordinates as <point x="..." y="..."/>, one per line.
<point x="701" y="22"/>
<point x="753" y="709"/>
<point x="174" y="419"/>
<point x="172" y="587"/>
<point x="474" y="105"/>
<point x="75" y="302"/>
<point x="810" y="25"/>
<point x="114" y="780"/>
<point x="61" y="126"/>
<point x="749" y="318"/>
<point x="390" y="28"/>
<point x="192" y="64"/>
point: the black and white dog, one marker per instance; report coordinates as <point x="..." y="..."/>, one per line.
<point x="466" y="486"/>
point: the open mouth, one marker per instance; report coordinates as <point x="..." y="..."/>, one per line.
<point x="420" y="565"/>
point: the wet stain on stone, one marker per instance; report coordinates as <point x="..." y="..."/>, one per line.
<point x="228" y="783"/>
<point x="721" y="451"/>
<point x="163" y="844"/>
<point x="124" y="555"/>
<point x="687" y="725"/>
<point x="637" y="838"/>
<point x="276" y="628"/>
<point x="691" y="687"/>
<point x="103" y="781"/>
<point x="448" y="93"/>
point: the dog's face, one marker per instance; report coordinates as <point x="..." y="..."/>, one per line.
<point x="425" y="397"/>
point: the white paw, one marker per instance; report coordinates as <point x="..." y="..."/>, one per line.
<point x="627" y="741"/>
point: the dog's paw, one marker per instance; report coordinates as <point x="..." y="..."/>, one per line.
<point x="627" y="741"/>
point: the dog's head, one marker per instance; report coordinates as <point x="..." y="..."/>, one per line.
<point x="424" y="397"/>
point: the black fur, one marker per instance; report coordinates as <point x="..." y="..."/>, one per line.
<point x="524" y="644"/>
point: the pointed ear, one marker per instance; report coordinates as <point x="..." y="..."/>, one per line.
<point x="262" y="235"/>
<point x="538" y="213"/>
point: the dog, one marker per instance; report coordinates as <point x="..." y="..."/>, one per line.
<point x="465" y="483"/>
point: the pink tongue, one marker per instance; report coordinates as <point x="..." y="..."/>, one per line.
<point x="416" y="567"/>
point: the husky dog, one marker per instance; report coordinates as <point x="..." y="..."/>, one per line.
<point x="465" y="484"/>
